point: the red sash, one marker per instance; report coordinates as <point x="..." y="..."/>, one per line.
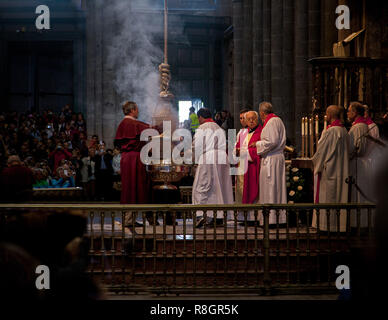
<point x="269" y="117"/>
<point x="368" y="121"/>
<point x="252" y="175"/>
<point x="359" y="120"/>
<point x="335" y="123"/>
<point x="208" y="120"/>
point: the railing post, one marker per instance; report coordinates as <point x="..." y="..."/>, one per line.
<point x="267" y="276"/>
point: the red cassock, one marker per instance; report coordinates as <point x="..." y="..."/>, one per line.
<point x="251" y="177"/>
<point x="134" y="181"/>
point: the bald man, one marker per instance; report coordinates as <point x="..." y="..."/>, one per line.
<point x="331" y="168"/>
<point x="358" y="159"/>
<point x="270" y="148"/>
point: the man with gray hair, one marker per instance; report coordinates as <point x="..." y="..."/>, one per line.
<point x="135" y="185"/>
<point x="270" y="148"/>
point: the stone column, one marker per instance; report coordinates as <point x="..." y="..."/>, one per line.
<point x="91" y="53"/>
<point x="266" y="49"/>
<point x="2" y="65"/>
<point x="302" y="77"/>
<point x="247" y="55"/>
<point x="108" y="112"/>
<point x="288" y="69"/>
<point x="277" y="83"/>
<point x="257" y="58"/>
<point x="238" y="25"/>
<point x="328" y="30"/>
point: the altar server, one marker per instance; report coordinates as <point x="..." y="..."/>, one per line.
<point x="213" y="181"/>
<point x="331" y="169"/>
<point x="272" y="172"/>
<point x="358" y="159"/>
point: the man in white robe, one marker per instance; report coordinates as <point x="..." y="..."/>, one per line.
<point x="273" y="171"/>
<point x="331" y="167"/>
<point x="213" y="181"/>
<point x="358" y="160"/>
<point x="241" y="143"/>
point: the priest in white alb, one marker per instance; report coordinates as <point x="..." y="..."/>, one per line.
<point x="270" y="148"/>
<point x="358" y="160"/>
<point x="241" y="143"/>
<point x="331" y="169"/>
<point x="213" y="181"/>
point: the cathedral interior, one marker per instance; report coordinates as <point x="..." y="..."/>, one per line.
<point x="225" y="55"/>
<point x="228" y="55"/>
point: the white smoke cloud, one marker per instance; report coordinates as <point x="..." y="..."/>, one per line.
<point x="134" y="51"/>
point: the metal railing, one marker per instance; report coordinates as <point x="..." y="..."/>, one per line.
<point x="273" y="249"/>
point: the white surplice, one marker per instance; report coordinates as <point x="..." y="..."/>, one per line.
<point x="272" y="167"/>
<point x="332" y="161"/>
<point x="213" y="181"/>
<point x="242" y="163"/>
<point x="359" y="169"/>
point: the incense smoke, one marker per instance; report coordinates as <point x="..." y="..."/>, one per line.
<point x="134" y="52"/>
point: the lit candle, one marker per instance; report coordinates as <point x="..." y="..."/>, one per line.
<point x="303" y="147"/>
<point x="325" y="123"/>
<point x="306" y="141"/>
<point x="311" y="133"/>
<point x="316" y="125"/>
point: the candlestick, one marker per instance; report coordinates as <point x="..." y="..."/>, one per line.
<point x="316" y="131"/>
<point x="325" y="123"/>
<point x="302" y="123"/>
<point x="311" y="135"/>
<point x="306" y="143"/>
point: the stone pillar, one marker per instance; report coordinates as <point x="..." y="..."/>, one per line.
<point x="257" y="57"/>
<point x="91" y="53"/>
<point x="238" y="25"/>
<point x="277" y="82"/>
<point x="2" y="65"/>
<point x="108" y="113"/>
<point x="247" y="56"/>
<point x="266" y="49"/>
<point x="302" y="77"/>
<point x="328" y="30"/>
<point x="288" y="107"/>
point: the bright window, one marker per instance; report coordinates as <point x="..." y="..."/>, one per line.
<point x="184" y="110"/>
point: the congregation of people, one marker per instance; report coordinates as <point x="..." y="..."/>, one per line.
<point x="52" y="150"/>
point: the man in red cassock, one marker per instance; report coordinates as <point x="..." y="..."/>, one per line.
<point x="135" y="185"/>
<point x="251" y="177"/>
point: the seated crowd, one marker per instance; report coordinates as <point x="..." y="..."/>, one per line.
<point x="56" y="150"/>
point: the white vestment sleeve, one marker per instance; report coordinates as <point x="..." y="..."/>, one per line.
<point x="270" y="137"/>
<point x="320" y="155"/>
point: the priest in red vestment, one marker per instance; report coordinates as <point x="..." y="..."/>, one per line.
<point x="135" y="185"/>
<point x="251" y="177"/>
